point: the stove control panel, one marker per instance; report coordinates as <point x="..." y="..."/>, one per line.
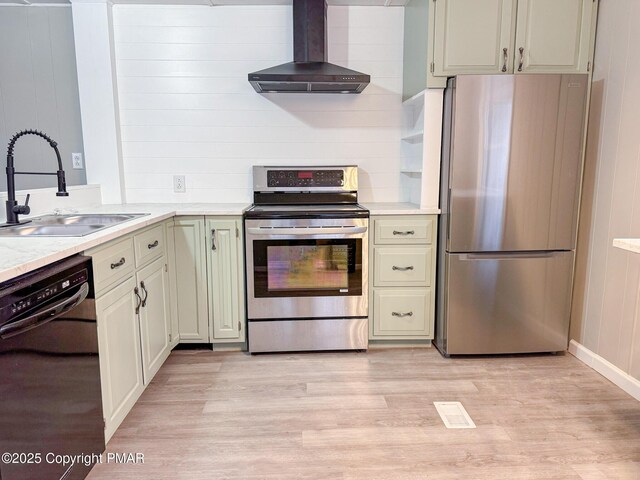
<point x="305" y="178"/>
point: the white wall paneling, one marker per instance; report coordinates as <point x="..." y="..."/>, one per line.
<point x="186" y="107"/>
<point x="605" y="318"/>
<point x="92" y="24"/>
<point x="44" y="200"/>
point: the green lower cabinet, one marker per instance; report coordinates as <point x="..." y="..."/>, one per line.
<point x="120" y="353"/>
<point x="402" y="277"/>
<point x="154" y="314"/>
<point x="191" y="280"/>
<point x="225" y="272"/>
<point x="402" y="312"/>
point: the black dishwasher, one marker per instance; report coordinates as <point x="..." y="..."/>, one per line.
<point x="51" y="424"/>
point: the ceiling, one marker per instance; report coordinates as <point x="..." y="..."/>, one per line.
<point x="386" y="3"/>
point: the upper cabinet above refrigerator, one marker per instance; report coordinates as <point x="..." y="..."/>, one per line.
<point x="444" y="38"/>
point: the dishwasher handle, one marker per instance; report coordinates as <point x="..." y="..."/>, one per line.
<point x="46" y="314"/>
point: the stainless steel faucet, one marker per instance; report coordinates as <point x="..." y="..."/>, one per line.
<point x="13" y="209"/>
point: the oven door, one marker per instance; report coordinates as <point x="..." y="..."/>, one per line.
<point x="305" y="268"/>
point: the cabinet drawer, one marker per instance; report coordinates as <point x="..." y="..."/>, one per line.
<point x="401" y="312"/>
<point x="402" y="266"/>
<point x="403" y="231"/>
<point x="112" y="264"/>
<point x="149" y="245"/>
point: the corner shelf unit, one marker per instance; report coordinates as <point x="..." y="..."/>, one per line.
<point x="420" y="149"/>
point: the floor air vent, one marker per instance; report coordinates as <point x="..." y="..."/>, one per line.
<point x="454" y="415"/>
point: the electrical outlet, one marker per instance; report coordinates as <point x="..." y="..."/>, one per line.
<point x="76" y="160"/>
<point x="179" y="185"/>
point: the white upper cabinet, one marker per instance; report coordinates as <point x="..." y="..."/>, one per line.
<point x="554" y="35"/>
<point x="512" y="36"/>
<point x="474" y="36"/>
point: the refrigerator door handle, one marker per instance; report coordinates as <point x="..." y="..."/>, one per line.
<point x="507" y="255"/>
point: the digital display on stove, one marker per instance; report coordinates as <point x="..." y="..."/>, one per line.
<point x="305" y="178"/>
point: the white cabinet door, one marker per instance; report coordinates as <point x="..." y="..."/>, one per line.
<point x="191" y="280"/>
<point x="474" y="36"/>
<point x="554" y="36"/>
<point x="154" y="317"/>
<point x="226" y="285"/>
<point x="120" y="356"/>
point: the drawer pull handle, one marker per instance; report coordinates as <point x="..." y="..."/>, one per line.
<point x="402" y="269"/>
<point x="402" y="314"/>
<point x="153" y="245"/>
<point x="118" y="264"/>
<point x="408" y="232"/>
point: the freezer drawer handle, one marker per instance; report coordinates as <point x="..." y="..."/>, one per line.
<point x="402" y="269"/>
<point x="153" y="245"/>
<point x="508" y="256"/>
<point x="408" y="232"/>
<point x="402" y="314"/>
<point x="118" y="264"/>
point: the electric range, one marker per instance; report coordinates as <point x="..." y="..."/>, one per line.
<point x="306" y="246"/>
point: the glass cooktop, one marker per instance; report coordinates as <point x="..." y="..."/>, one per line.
<point x="307" y="211"/>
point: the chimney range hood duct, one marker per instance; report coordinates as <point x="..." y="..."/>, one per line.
<point x="309" y="72"/>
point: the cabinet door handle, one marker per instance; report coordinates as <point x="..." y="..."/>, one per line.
<point x="520" y="65"/>
<point x="505" y="57"/>
<point x="153" y="245"/>
<point x="402" y="269"/>
<point x="139" y="304"/>
<point x="402" y="314"/>
<point x="213" y="239"/>
<point x="118" y="264"/>
<point x="407" y="232"/>
<point x="146" y="294"/>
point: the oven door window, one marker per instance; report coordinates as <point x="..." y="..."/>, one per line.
<point x="307" y="268"/>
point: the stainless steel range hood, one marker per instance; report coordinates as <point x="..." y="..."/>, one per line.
<point x="309" y="72"/>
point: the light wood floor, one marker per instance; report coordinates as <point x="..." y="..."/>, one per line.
<point x="370" y="415"/>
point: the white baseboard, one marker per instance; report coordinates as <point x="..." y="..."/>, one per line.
<point x="605" y="368"/>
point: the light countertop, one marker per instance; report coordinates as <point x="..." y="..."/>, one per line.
<point x="630" y="244"/>
<point x="20" y="255"/>
<point x="399" y="209"/>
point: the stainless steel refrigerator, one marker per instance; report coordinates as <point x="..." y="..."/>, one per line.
<point x="510" y="186"/>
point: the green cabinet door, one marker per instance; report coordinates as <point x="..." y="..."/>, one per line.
<point x="120" y="355"/>
<point x="191" y="280"/>
<point x="154" y="317"/>
<point x="554" y="36"/>
<point x="226" y="278"/>
<point x="473" y="36"/>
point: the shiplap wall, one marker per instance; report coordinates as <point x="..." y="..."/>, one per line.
<point x="606" y="314"/>
<point x="187" y="108"/>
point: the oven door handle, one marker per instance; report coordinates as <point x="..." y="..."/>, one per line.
<point x="305" y="231"/>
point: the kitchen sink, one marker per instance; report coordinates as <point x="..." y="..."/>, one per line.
<point x="74" y="225"/>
